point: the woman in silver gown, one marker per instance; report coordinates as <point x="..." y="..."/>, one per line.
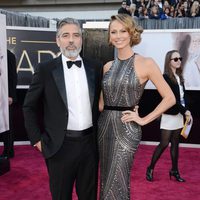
<point x="119" y="123"/>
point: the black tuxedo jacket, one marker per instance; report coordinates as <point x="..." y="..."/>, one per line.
<point x="48" y="88"/>
<point x="178" y="107"/>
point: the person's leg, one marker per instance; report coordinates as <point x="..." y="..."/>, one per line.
<point x="62" y="169"/>
<point x="86" y="180"/>
<point x="8" y="150"/>
<point x="7" y="137"/>
<point x="164" y="141"/>
<point x="174" y="152"/>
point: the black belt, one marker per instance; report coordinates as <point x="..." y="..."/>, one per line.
<point x="118" y="108"/>
<point x="72" y="133"/>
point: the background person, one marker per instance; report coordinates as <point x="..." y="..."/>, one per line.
<point x="8" y="137"/>
<point x="172" y="120"/>
<point x="125" y="8"/>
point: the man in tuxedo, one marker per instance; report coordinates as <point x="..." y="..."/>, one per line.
<point x="7" y="136"/>
<point x="68" y="88"/>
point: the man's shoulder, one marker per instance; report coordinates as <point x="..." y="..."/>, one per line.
<point x="52" y="61"/>
<point x="10" y="54"/>
<point x="49" y="64"/>
<point x="121" y="10"/>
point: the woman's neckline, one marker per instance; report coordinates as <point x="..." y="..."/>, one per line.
<point x="126" y="58"/>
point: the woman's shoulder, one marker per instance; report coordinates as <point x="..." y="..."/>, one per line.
<point x="146" y="63"/>
<point x="109" y="63"/>
<point x="143" y="59"/>
<point x="146" y="68"/>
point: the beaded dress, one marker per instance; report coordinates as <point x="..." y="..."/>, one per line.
<point x="118" y="141"/>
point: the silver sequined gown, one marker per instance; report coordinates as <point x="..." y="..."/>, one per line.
<point x="117" y="141"/>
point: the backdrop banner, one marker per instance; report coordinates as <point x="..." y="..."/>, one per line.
<point x="30" y="46"/>
<point x="156" y="43"/>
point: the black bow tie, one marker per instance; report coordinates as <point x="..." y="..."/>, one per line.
<point x="70" y="63"/>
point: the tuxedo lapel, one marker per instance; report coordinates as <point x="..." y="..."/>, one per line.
<point x="58" y="76"/>
<point x="90" y="73"/>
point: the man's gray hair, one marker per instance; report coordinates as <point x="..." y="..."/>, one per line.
<point x="65" y="21"/>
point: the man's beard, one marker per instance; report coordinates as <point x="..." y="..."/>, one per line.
<point x="71" y="53"/>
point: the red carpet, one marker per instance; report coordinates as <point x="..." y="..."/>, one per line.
<point x="28" y="178"/>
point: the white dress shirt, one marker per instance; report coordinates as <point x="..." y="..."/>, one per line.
<point x="181" y="90"/>
<point x="78" y="100"/>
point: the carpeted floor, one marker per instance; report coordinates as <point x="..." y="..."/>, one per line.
<point x="28" y="178"/>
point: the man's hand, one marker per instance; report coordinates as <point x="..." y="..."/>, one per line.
<point x="38" y="146"/>
<point x="10" y="100"/>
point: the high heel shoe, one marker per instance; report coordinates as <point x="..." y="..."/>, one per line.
<point x="176" y="174"/>
<point x="149" y="174"/>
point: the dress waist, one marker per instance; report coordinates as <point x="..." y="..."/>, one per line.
<point x="118" y="108"/>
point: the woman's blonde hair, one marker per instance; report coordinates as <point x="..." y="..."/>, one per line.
<point x="131" y="27"/>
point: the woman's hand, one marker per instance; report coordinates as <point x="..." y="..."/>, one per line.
<point x="129" y="116"/>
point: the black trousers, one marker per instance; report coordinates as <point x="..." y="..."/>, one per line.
<point x="75" y="163"/>
<point x="7" y="137"/>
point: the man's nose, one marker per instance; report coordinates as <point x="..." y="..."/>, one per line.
<point x="71" y="39"/>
